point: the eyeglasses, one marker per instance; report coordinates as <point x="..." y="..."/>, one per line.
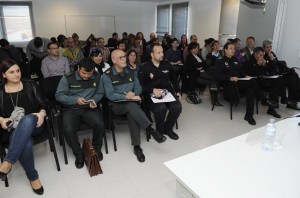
<point x="54" y="48"/>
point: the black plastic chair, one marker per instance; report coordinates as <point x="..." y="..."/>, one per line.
<point x="232" y="103"/>
<point x="45" y="135"/>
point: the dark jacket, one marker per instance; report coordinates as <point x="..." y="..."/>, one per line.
<point x="225" y="68"/>
<point x="251" y="68"/>
<point x="33" y="94"/>
<point x="192" y="66"/>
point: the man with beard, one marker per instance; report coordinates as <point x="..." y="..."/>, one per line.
<point x="156" y="76"/>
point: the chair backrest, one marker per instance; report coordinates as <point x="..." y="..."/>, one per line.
<point x="49" y="86"/>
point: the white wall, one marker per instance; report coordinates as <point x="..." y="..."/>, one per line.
<point x="130" y="16"/>
<point x="204" y="18"/>
<point x="290" y="43"/>
<point x="256" y="22"/>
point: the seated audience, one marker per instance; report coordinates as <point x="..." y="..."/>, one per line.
<point x="197" y="73"/>
<point x="207" y="48"/>
<point x="257" y="67"/>
<point x="22" y="101"/>
<point x="156" y="76"/>
<point x="73" y="54"/>
<point x="215" y="53"/>
<point x="249" y="49"/>
<point x="173" y="55"/>
<point x="112" y="42"/>
<point x="54" y="64"/>
<point x="97" y="58"/>
<point x="186" y="51"/>
<point x="183" y="44"/>
<point x="11" y="51"/>
<point x="132" y="60"/>
<point x="74" y="91"/>
<point x="104" y="50"/>
<point x="239" y="53"/>
<point x="121" y="83"/>
<point x="121" y="45"/>
<point x="289" y="78"/>
<point x="36" y="50"/>
<point x="228" y="73"/>
<point x="63" y="46"/>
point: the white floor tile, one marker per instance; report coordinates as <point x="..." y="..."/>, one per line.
<point x="123" y="176"/>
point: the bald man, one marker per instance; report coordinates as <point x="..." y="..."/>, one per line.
<point x="122" y="84"/>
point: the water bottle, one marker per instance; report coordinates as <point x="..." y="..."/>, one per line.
<point x="269" y="138"/>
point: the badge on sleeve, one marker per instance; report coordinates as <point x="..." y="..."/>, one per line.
<point x="151" y="75"/>
<point x="226" y="64"/>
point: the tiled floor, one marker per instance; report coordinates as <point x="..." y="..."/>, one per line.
<point x="124" y="176"/>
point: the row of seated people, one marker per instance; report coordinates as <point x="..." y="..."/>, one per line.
<point x="230" y="73"/>
<point x="74" y="90"/>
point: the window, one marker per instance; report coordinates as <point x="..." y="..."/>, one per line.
<point x="163" y="15"/>
<point x="16" y="21"/>
<point x="177" y="24"/>
<point x="179" y="19"/>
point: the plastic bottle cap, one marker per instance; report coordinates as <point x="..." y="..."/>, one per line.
<point x="272" y="120"/>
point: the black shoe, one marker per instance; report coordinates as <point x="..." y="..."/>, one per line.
<point x="100" y="155"/>
<point x="156" y="135"/>
<point x="39" y="191"/>
<point x="271" y="104"/>
<point x="4" y="175"/>
<point x="273" y="113"/>
<point x="284" y="100"/>
<point x="79" y="162"/>
<point x="250" y="119"/>
<point x="292" y="105"/>
<point x="172" y="135"/>
<point x="218" y="104"/>
<point x="139" y="153"/>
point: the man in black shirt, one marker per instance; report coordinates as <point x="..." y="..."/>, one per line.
<point x="155" y="76"/>
<point x="257" y="67"/>
<point x="289" y="78"/>
<point x="228" y="72"/>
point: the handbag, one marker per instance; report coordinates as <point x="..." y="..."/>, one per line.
<point x="91" y="158"/>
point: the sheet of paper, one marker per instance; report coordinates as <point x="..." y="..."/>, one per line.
<point x="168" y="98"/>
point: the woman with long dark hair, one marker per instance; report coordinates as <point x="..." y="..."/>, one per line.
<point x="22" y="113"/>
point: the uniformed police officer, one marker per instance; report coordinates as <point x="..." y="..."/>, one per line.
<point x="122" y="87"/>
<point x="228" y="72"/>
<point x="155" y="76"/>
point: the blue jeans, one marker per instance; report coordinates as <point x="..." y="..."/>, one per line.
<point x="20" y="146"/>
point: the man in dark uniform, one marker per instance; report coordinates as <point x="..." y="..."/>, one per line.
<point x="74" y="92"/>
<point x="289" y="78"/>
<point x="122" y="87"/>
<point x="155" y="76"/>
<point x="258" y="67"/>
<point x="228" y="72"/>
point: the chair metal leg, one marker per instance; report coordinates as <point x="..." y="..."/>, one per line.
<point x="111" y="126"/>
<point x="52" y="145"/>
<point x="2" y="158"/>
<point x="105" y="143"/>
<point x="230" y="111"/>
<point x="62" y="138"/>
<point x="176" y="125"/>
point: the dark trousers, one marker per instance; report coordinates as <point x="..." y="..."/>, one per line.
<point x="71" y="121"/>
<point x="160" y="111"/>
<point x="249" y="87"/>
<point x="136" y="119"/>
<point x="289" y="80"/>
<point x="271" y="85"/>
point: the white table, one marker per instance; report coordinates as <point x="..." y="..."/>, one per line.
<point x="239" y="168"/>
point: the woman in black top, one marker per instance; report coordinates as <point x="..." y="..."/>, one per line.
<point x="22" y="113"/>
